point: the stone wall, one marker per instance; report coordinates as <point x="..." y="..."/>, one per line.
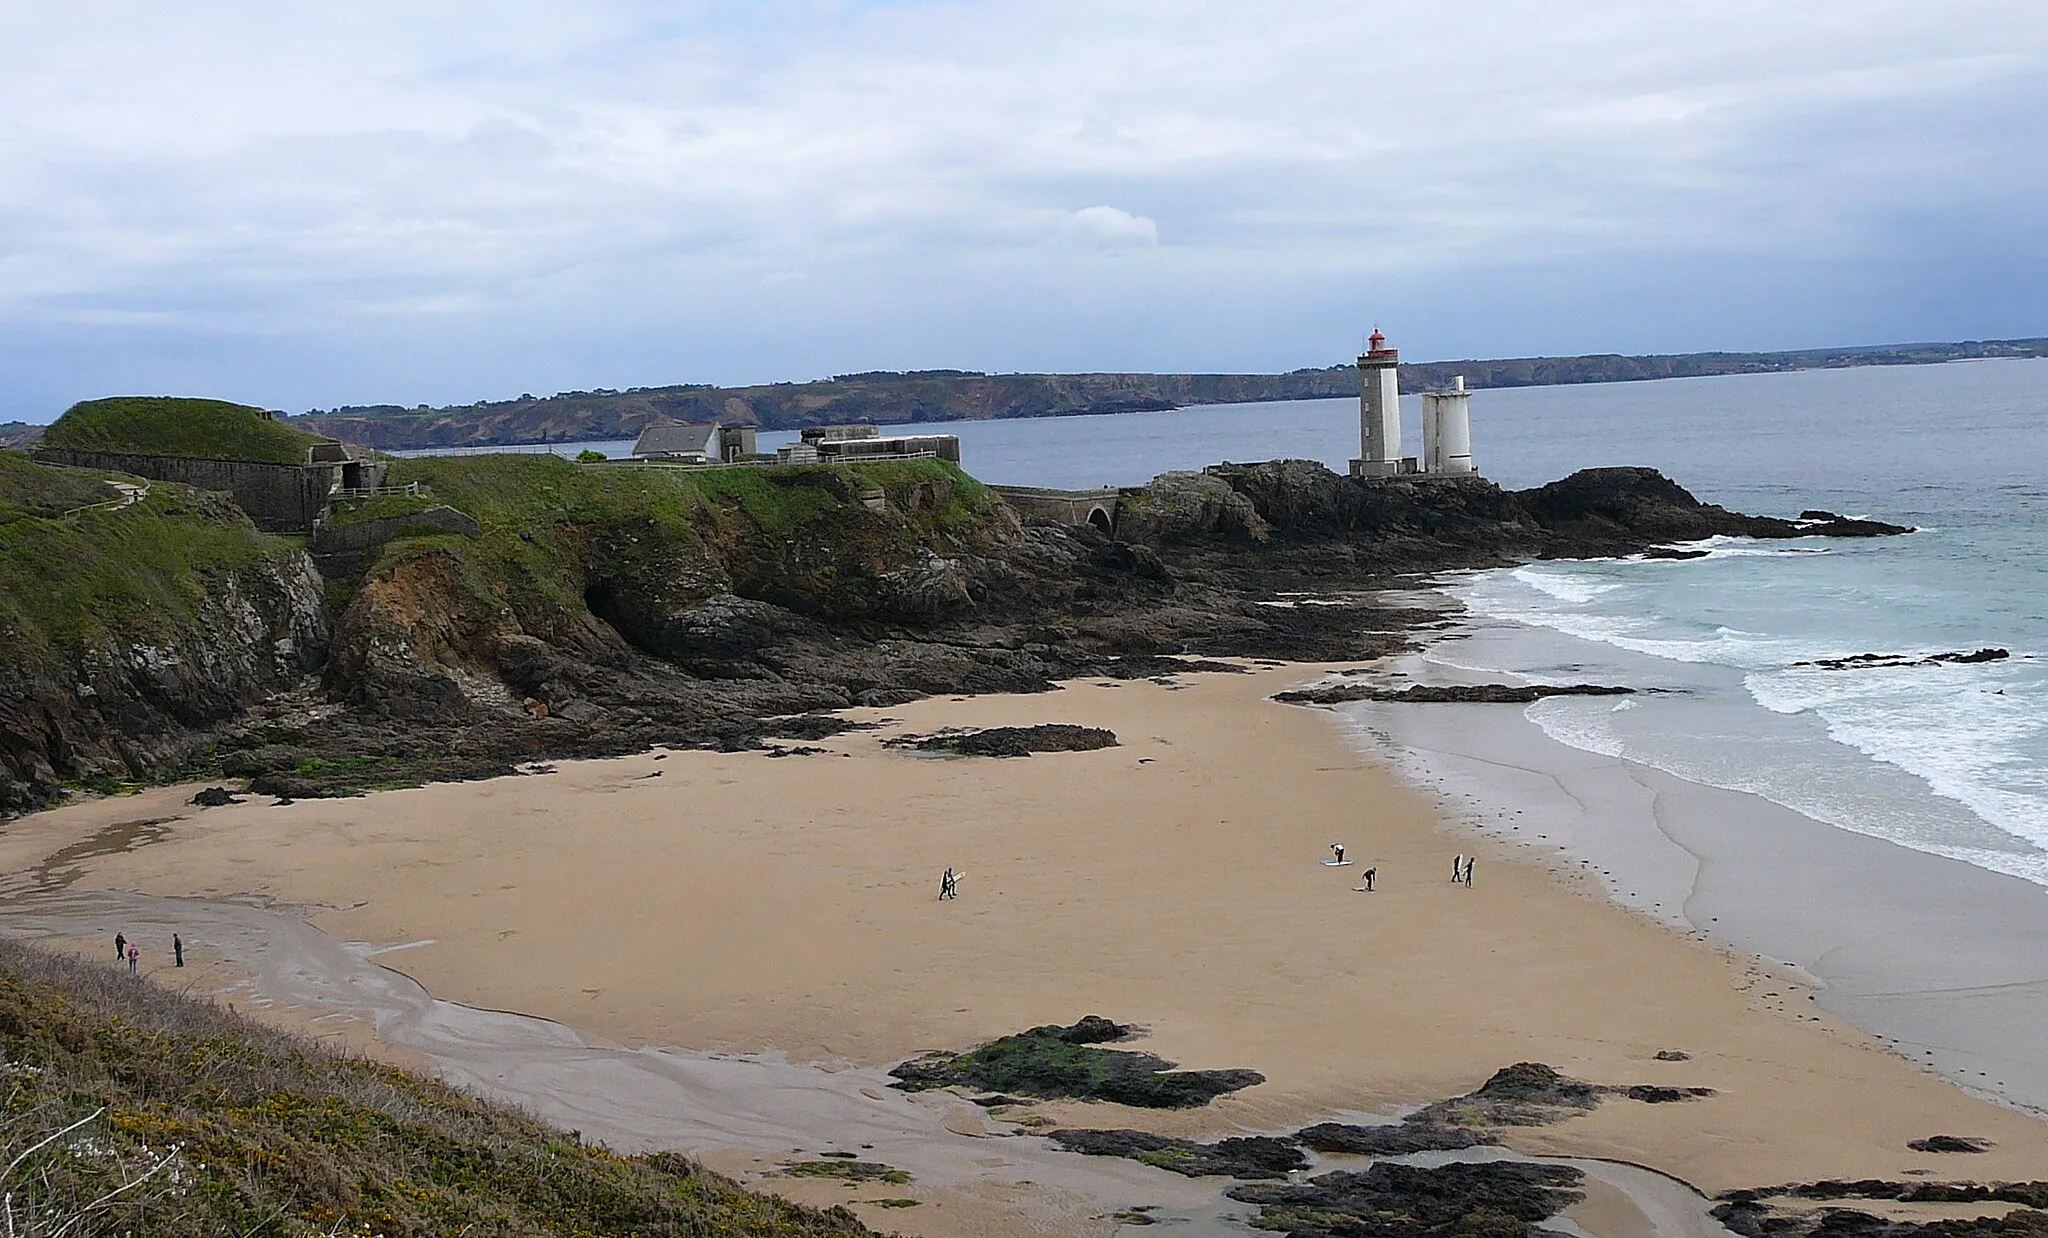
<point x="1096" y="507"/>
<point x="339" y="548"/>
<point x="280" y="498"/>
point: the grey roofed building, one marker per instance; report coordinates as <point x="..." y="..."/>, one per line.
<point x="668" y="440"/>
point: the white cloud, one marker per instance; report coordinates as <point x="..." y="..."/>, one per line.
<point x="1110" y="228"/>
<point x="524" y="169"/>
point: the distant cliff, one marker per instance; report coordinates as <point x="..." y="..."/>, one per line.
<point x="890" y="398"/>
<point x="884" y="398"/>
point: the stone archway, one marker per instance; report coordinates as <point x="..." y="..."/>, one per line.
<point x="1099" y="517"/>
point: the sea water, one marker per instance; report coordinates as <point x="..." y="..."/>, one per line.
<point x="1950" y="759"/>
<point x="1946" y="758"/>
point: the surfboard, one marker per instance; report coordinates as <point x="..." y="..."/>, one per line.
<point x="1336" y="864"/>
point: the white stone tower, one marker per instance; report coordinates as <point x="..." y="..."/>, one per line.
<point x="1379" y="410"/>
<point x="1447" y="429"/>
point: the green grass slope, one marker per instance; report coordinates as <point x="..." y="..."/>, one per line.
<point x="78" y="570"/>
<point x="552" y="528"/>
<point x="176" y="426"/>
<point x="185" y="1120"/>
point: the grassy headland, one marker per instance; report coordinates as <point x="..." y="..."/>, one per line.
<point x="78" y="570"/>
<point x="557" y="536"/>
<point x="176" y="426"/>
<point x="185" y="1119"/>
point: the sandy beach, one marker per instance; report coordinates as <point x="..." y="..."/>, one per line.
<point x="748" y="905"/>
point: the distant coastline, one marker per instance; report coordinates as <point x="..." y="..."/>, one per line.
<point x="898" y="398"/>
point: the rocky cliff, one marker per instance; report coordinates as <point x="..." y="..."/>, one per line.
<point x="594" y="610"/>
<point x="132" y="622"/>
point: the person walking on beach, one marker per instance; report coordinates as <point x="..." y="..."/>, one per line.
<point x="1457" y="868"/>
<point x="948" y="887"/>
<point x="134" y="959"/>
<point x="178" y="949"/>
<point x="120" y="946"/>
<point x="1468" y="870"/>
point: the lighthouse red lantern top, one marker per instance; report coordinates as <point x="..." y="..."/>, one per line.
<point x="1376" y="343"/>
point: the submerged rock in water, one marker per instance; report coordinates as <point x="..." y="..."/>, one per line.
<point x="1449" y="694"/>
<point x="1876" y="661"/>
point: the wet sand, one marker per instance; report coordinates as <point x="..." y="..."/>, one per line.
<point x="1947" y="962"/>
<point x="748" y="905"/>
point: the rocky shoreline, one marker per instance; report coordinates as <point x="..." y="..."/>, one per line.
<point x="586" y="622"/>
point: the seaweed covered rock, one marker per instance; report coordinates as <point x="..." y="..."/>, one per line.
<point x="1010" y="741"/>
<point x="1500" y="1199"/>
<point x="1250" y="1157"/>
<point x="1392" y="1139"/>
<point x="1525" y="1094"/>
<point x="1050" y="1064"/>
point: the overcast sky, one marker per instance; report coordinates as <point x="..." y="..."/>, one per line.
<point x="305" y="205"/>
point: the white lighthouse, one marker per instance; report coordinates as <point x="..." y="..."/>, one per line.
<point x="1447" y="429"/>
<point x="1379" y="411"/>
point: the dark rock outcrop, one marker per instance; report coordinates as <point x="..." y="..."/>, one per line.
<point x="1055" y="1063"/>
<point x="1950" y="1143"/>
<point x="175" y="617"/>
<point x="1449" y="694"/>
<point x="1011" y="741"/>
<point x="812" y="726"/>
<point x="1392" y="1139"/>
<point x="1752" y="1215"/>
<point x="1249" y="1157"/>
<point x="1494" y="1198"/>
<point x="1874" y="661"/>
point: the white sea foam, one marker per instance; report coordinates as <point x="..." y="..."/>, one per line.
<point x="1949" y="726"/>
<point x="1564" y="586"/>
<point x="1930" y="757"/>
<point x="1839" y="791"/>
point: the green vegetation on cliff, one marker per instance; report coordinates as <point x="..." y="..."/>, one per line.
<point x="176" y="426"/>
<point x="132" y="616"/>
<point x="186" y="1120"/>
<point x="80" y="568"/>
<point x="552" y="530"/>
